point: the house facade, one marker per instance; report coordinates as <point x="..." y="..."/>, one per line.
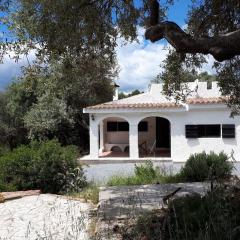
<point x="151" y="126"/>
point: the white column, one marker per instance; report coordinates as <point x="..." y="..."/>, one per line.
<point x="94" y="145"/>
<point x="133" y="141"/>
<point x="101" y="125"/>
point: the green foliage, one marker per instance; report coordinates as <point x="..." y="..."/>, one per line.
<point x="147" y="226"/>
<point x="201" y="21"/>
<point x="122" y="95"/>
<point x="199" y="167"/>
<point x="3" y="150"/>
<point x="42" y="104"/>
<point x="144" y="173"/>
<point x="178" y="69"/>
<point x="203" y="166"/>
<point x="45" y="116"/>
<point x="228" y="75"/>
<point x="73" y="180"/>
<point x="145" y="170"/>
<point x="215" y="216"/>
<point x="88" y="193"/>
<point x="12" y="131"/>
<point x="41" y="165"/>
<point x="206" y="18"/>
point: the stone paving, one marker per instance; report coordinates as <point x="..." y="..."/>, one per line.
<point x="45" y="217"/>
<point x="130" y="201"/>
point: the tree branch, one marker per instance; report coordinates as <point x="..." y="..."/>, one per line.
<point x="221" y="47"/>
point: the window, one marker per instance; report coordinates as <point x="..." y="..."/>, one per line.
<point x="209" y="130"/>
<point x="191" y="131"/>
<point x="209" y="85"/>
<point x="143" y="126"/>
<point x="228" y="130"/>
<point x="203" y="131"/>
<point x="117" y="127"/>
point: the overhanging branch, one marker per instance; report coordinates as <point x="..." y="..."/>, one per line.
<point x="221" y="47"/>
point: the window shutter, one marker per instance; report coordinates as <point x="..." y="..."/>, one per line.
<point x="191" y="131"/>
<point x="228" y="131"/>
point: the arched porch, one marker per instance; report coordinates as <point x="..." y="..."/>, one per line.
<point x="113" y="137"/>
<point x="154" y="137"/>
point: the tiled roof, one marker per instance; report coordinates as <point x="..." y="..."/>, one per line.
<point x="135" y="105"/>
<point x="155" y="99"/>
<point x="213" y="100"/>
<point x="116" y="105"/>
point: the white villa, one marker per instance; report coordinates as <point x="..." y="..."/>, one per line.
<point x="150" y="126"/>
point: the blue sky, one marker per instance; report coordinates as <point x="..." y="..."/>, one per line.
<point x="139" y="62"/>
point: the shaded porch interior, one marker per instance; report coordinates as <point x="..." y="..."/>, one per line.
<point x="154" y="136"/>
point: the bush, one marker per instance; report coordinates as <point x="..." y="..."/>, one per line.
<point x="40" y="165"/>
<point x="3" y="150"/>
<point x="88" y="193"/>
<point x="144" y="173"/>
<point x="203" y="166"/>
<point x="215" y="216"/>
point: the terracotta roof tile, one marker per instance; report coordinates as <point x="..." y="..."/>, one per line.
<point x="112" y="105"/>
<point x="135" y="105"/>
<point x="213" y="100"/>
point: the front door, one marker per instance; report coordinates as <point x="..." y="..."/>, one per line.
<point x="162" y="133"/>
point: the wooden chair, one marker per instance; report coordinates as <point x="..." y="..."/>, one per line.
<point x="143" y="147"/>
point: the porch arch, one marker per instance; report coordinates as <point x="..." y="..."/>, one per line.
<point x="102" y="118"/>
<point x="113" y="136"/>
<point x="154" y="136"/>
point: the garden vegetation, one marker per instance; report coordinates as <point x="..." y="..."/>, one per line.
<point x="47" y="166"/>
<point x="199" y="167"/>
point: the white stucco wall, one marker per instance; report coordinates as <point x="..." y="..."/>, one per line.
<point x="181" y="147"/>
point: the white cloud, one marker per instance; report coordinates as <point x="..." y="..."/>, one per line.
<point x="10" y="69"/>
<point x="139" y="62"/>
<point x="207" y="67"/>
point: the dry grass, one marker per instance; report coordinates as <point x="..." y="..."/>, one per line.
<point x="2" y="200"/>
<point x="89" y="194"/>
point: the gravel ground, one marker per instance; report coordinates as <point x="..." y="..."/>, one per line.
<point x="45" y="217"/>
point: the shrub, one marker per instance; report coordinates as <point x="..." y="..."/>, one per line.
<point x="40" y="165"/>
<point x="203" y="166"/>
<point x="144" y="173"/>
<point x="215" y="216"/>
<point x="88" y="193"/>
<point x="3" y="150"/>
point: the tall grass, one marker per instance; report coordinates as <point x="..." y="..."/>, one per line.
<point x="199" y="167"/>
<point x="215" y="216"/>
<point x="144" y="173"/>
<point x="88" y="193"/>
